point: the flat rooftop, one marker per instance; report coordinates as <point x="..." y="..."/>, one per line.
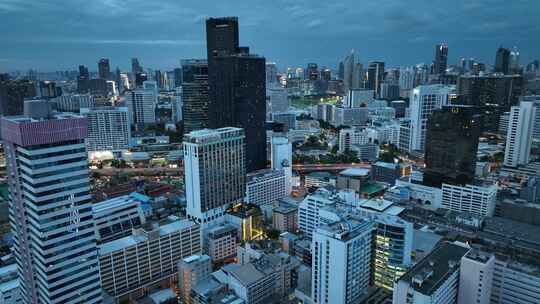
<point x="357" y="172"/>
<point x="432" y="271"/>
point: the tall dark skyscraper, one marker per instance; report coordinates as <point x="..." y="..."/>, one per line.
<point x="104" y="69"/>
<point x="375" y="76"/>
<point x="502" y="61"/>
<point x="194" y="94"/>
<point x="83" y="80"/>
<point x="177" y="77"/>
<point x="237" y="88"/>
<point x="140" y="78"/>
<point x="135" y="66"/>
<point x="158" y="77"/>
<point x="441" y="58"/>
<point x="12" y="96"/>
<point x="451" y="145"/>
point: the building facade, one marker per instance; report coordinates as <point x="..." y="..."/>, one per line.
<point x="108" y="128"/>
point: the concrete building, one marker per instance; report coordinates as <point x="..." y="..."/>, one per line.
<point x="142" y="106"/>
<point x="357" y="98"/>
<point x="220" y="243"/>
<point x="433" y="280"/>
<point x="386" y="172"/>
<point x="366" y="152"/>
<point x="520" y="134"/>
<point x="350" y="137"/>
<point x="130" y="265"/>
<point x="215" y="172"/>
<point x="191" y="271"/>
<point x="266" y="186"/>
<point x="341" y="264"/>
<point x="475" y="199"/>
<point x="353" y="178"/>
<point x="50" y="206"/>
<point x="277" y="100"/>
<point x="424" y="100"/>
<point x="108" y="128"/>
<point x="115" y="218"/>
<point x="476" y="278"/>
<point x="285" y="217"/>
<point x="308" y="209"/>
<point x="288" y="119"/>
<point x="350" y="116"/>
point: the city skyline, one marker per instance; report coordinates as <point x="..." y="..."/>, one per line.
<point x="160" y="34"/>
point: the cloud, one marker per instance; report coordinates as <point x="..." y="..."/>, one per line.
<point x="184" y="42"/>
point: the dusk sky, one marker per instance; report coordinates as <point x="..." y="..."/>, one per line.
<point x="54" y="35"/>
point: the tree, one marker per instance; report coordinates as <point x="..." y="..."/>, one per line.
<point x="273" y="234"/>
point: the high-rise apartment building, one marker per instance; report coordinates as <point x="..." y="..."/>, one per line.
<point x="451" y="146"/>
<point x="341" y="265"/>
<point x="237" y="88"/>
<point x="519" y="134"/>
<point x="215" y="172"/>
<point x="50" y="207"/>
<point x="424" y="101"/>
<point x="142" y="106"/>
<point x="104" y="69"/>
<point x="441" y="58"/>
<point x="266" y="186"/>
<point x="108" y="128"/>
<point x="195" y="94"/>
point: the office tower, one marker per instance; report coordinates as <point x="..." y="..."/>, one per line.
<point x="433" y="280"/>
<point x="536" y="101"/>
<point x="195" y="94"/>
<point x="357" y="98"/>
<point x="12" y="96"/>
<point x="135" y="66"/>
<point x="312" y="71"/>
<point x="350" y="116"/>
<point x="140" y="78"/>
<point x="348" y="71"/>
<point x="406" y="79"/>
<point x="451" y="146"/>
<point x="104" y="69"/>
<point x="341" y="70"/>
<point x="215" y="173"/>
<point x="278" y="100"/>
<point x="326" y="74"/>
<point x="271" y="74"/>
<point x="424" y="101"/>
<point x="341" y="265"/>
<point x="108" y="128"/>
<point x="375" y="76"/>
<point x="158" y="78"/>
<point x="389" y="91"/>
<point x="177" y="72"/>
<point x="520" y="133"/>
<point x="83" y="81"/>
<point x="513" y="66"/>
<point x="441" y="58"/>
<point x="191" y="271"/>
<point x="502" y="61"/>
<point x="281" y="158"/>
<point x="494" y="94"/>
<point x="142" y="106"/>
<point x="65" y="254"/>
<point x="98" y="87"/>
<point x="237" y="88"/>
<point x="48" y="89"/>
<point x="177" y="105"/>
<point x="358" y="76"/>
<point x="149" y="257"/>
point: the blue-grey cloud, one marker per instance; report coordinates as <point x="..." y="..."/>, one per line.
<point x="60" y="34"/>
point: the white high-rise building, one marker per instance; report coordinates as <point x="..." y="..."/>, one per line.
<point x="351" y="137"/>
<point x="215" y="172"/>
<point x="406" y="79"/>
<point x="142" y="106"/>
<point x="424" y="101"/>
<point x="519" y="134"/>
<point x="281" y="158"/>
<point x="536" y="100"/>
<point x="50" y="207"/>
<point x="108" y="128"/>
<point x="341" y="265"/>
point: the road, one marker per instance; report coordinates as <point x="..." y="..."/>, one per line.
<point x="327" y="167"/>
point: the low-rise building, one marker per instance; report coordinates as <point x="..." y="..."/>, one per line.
<point x="285" y="217"/>
<point x="475" y="199"/>
<point x="191" y="271"/>
<point x="220" y="243"/>
<point x="353" y="178"/>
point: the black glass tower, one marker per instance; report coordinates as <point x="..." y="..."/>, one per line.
<point x="502" y="61"/>
<point x="441" y="58"/>
<point x="451" y="145"/>
<point x="194" y="75"/>
<point x="237" y="88"/>
<point x="104" y="69"/>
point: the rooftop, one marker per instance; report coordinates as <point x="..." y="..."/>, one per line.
<point x="432" y="271"/>
<point x="392" y="166"/>
<point x="355" y="172"/>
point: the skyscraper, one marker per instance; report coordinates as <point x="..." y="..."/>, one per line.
<point x="514" y="67"/>
<point x="195" y="94"/>
<point x="237" y="88"/>
<point x="424" y="101"/>
<point x="104" y="69"/>
<point x="135" y="66"/>
<point x="12" y="96"/>
<point x="83" y="81"/>
<point x="348" y="71"/>
<point x="520" y="132"/>
<point x="451" y="146"/>
<point x="108" y="128"/>
<point x="51" y="209"/>
<point x="215" y="173"/>
<point x="502" y="61"/>
<point x="142" y="106"/>
<point x="441" y="58"/>
<point x="375" y="76"/>
<point x="282" y="158"/>
<point x="341" y="262"/>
